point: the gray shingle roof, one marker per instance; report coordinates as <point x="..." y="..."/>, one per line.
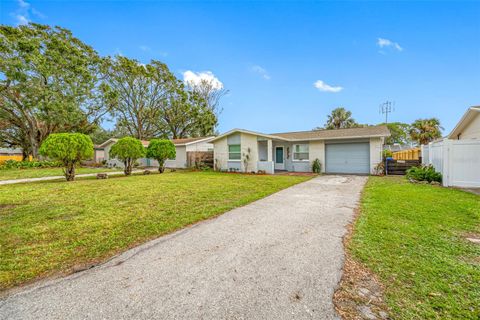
<point x="363" y="132"/>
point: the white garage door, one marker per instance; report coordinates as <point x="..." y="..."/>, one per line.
<point x="347" y="158"/>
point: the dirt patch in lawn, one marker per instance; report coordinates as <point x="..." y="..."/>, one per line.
<point x="359" y="294"/>
<point x="472" y="238"/>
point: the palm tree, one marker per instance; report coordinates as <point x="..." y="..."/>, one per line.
<point x="426" y="130"/>
<point x="340" y="118"/>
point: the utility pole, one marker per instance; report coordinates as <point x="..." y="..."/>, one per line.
<point x="386" y="108"/>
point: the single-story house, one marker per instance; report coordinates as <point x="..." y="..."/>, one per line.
<point x="349" y="151"/>
<point x="182" y="146"/>
<point x="457" y="156"/>
<point x="11" y="154"/>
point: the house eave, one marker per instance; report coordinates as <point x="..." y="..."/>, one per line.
<point x="341" y="138"/>
<point x="207" y="139"/>
<point x="268" y="136"/>
<point x="464" y="121"/>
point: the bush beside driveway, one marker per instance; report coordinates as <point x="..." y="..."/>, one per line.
<point x="52" y="227"/>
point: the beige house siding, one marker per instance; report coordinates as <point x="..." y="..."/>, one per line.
<point x="99" y="155"/>
<point x="220" y="154"/>
<point x="317" y="151"/>
<point x="472" y="130"/>
<point x="249" y="142"/>
<point x="200" y="146"/>
<point x="376" y="146"/>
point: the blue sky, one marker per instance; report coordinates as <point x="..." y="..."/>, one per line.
<point x="288" y="64"/>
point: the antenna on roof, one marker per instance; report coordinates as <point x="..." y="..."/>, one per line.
<point x="386" y="108"/>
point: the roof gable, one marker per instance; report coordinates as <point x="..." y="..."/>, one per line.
<point x="467" y="118"/>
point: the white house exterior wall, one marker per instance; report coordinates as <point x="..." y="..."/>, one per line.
<point x="111" y="162"/>
<point x="472" y="130"/>
<point x="220" y="154"/>
<point x="180" y="159"/>
<point x="246" y="141"/>
<point x="317" y="151"/>
<point x="376" y="147"/>
<point x="249" y="145"/>
<point x="200" y="146"/>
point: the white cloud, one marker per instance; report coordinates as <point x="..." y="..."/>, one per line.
<point x="23" y="4"/>
<point x="149" y="50"/>
<point x="21" y="19"/>
<point x="261" y="71"/>
<point x="118" y="52"/>
<point x="23" y="12"/>
<point x="383" y="43"/>
<point x="322" y="86"/>
<point x="38" y="13"/>
<point x="195" y="78"/>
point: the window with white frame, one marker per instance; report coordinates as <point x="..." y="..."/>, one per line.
<point x="300" y="152"/>
<point x="234" y="152"/>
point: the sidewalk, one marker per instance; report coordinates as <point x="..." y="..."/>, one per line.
<point x="111" y="173"/>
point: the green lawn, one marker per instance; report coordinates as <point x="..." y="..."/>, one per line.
<point x="48" y="227"/>
<point x="10" y="174"/>
<point x="412" y="237"/>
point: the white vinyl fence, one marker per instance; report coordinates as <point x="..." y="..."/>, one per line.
<point x="457" y="160"/>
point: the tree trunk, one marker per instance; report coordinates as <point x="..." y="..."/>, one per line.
<point x="24" y="155"/>
<point x="35" y="147"/>
<point x="128" y="167"/>
<point x="161" y="166"/>
<point x="70" y="172"/>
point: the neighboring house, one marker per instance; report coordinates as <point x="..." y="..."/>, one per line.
<point x="457" y="156"/>
<point x="355" y="150"/>
<point x="468" y="127"/>
<point x="11" y="154"/>
<point x="182" y="146"/>
<point x="99" y="154"/>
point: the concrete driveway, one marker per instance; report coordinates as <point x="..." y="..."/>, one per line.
<point x="277" y="258"/>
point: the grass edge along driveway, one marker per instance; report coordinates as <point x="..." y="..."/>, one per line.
<point x="413" y="237"/>
<point x="50" y="227"/>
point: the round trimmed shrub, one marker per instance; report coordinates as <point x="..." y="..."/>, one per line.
<point x="69" y="149"/>
<point x="127" y="150"/>
<point x="161" y="150"/>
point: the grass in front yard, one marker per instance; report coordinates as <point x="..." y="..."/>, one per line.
<point x="52" y="226"/>
<point x="11" y="174"/>
<point x="412" y="237"/>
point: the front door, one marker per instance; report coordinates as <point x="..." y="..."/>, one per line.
<point x="279" y="159"/>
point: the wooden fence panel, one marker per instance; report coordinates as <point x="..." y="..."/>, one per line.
<point x="196" y="158"/>
<point x="399" y="167"/>
<point x="410" y="154"/>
